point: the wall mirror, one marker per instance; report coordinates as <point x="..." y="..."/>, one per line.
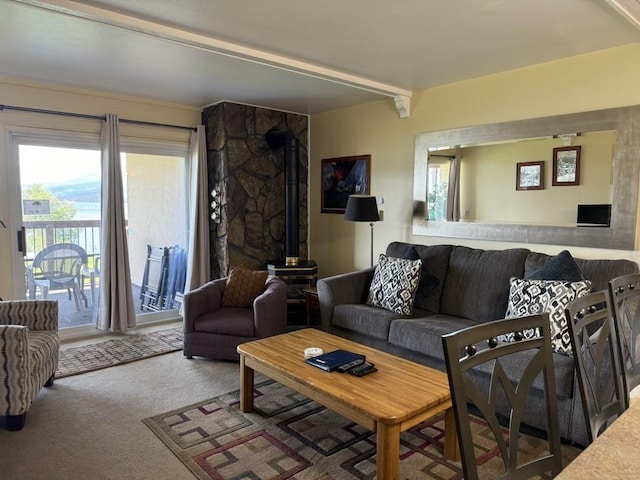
<point x="522" y="181"/>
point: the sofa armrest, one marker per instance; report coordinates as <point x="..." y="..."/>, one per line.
<point x="206" y="298"/>
<point x="348" y="288"/>
<point x="270" y="309"/>
<point x="35" y="314"/>
<point x="14" y="369"/>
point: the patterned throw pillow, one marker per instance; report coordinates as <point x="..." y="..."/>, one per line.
<point x="243" y="286"/>
<point x="394" y="284"/>
<point x="531" y="297"/>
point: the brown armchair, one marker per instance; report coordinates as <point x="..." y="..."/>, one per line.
<point x="213" y="330"/>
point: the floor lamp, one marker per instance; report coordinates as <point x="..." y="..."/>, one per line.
<point x="362" y="208"/>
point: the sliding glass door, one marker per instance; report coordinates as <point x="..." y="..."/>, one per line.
<point x="58" y="197"/>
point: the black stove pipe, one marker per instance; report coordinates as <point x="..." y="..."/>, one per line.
<point x="275" y="139"/>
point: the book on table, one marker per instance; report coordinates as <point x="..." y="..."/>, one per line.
<point x="331" y="361"/>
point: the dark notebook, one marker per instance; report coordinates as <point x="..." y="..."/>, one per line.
<point x="332" y="360"/>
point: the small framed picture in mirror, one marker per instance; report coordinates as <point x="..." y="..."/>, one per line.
<point x="530" y="176"/>
<point x="566" y="166"/>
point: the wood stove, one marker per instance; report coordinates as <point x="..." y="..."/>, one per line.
<point x="298" y="274"/>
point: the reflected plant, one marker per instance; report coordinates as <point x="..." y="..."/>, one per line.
<point x="437" y="201"/>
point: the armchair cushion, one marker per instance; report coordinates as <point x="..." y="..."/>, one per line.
<point x="243" y="286"/>
<point x="233" y="321"/>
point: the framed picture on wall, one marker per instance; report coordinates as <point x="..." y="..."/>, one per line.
<point x="342" y="177"/>
<point x="530" y="176"/>
<point x="566" y="166"/>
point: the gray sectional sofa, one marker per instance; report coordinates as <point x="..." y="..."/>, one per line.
<point x="466" y="286"/>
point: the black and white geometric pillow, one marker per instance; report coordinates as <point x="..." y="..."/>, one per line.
<point x="394" y="284"/>
<point x="531" y="297"/>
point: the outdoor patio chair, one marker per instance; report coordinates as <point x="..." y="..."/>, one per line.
<point x="154" y="279"/>
<point x="58" y="266"/>
<point x="176" y="276"/>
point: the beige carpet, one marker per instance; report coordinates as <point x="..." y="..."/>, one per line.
<point x="88" y="427"/>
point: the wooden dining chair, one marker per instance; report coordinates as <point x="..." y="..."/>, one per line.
<point x="596" y="354"/>
<point x="625" y="303"/>
<point x="475" y="351"/>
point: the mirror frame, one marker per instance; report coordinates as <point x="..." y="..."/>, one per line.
<point x="625" y="168"/>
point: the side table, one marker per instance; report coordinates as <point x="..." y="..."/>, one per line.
<point x="312" y="304"/>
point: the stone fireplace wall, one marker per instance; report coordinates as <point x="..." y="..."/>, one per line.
<point x="251" y="230"/>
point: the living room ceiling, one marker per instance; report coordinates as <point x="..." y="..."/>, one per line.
<point x="292" y="55"/>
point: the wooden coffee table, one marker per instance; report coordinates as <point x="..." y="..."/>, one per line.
<point x="400" y="395"/>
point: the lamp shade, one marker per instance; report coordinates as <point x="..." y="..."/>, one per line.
<point x="361" y="208"/>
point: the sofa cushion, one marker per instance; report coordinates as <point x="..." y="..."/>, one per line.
<point x="560" y="267"/>
<point x="477" y="283"/>
<point x="363" y="319"/>
<point x="394" y="284"/>
<point x="423" y="334"/>
<point x="436" y="258"/>
<point x="243" y="286"/>
<point x="598" y="272"/>
<point x="531" y="297"/>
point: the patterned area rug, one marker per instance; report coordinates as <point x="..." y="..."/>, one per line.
<point x="291" y="437"/>
<point x="128" y="348"/>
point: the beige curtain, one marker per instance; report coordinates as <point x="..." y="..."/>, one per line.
<point x="453" y="193"/>
<point x="198" y="261"/>
<point x="116" y="312"/>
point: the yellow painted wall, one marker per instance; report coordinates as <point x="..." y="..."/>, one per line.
<point x="488" y="181"/>
<point x="600" y="80"/>
<point x="48" y="97"/>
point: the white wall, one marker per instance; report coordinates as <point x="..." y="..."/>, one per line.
<point x="600" y="80"/>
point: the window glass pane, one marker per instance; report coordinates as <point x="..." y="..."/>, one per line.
<point x="60" y="190"/>
<point x="156" y="212"/>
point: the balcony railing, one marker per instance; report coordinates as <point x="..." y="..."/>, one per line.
<point x="42" y="233"/>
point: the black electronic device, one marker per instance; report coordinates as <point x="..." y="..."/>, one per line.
<point x="362" y="369"/>
<point x="331" y="361"/>
<point x="350" y="365"/>
<point x="596" y="215"/>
